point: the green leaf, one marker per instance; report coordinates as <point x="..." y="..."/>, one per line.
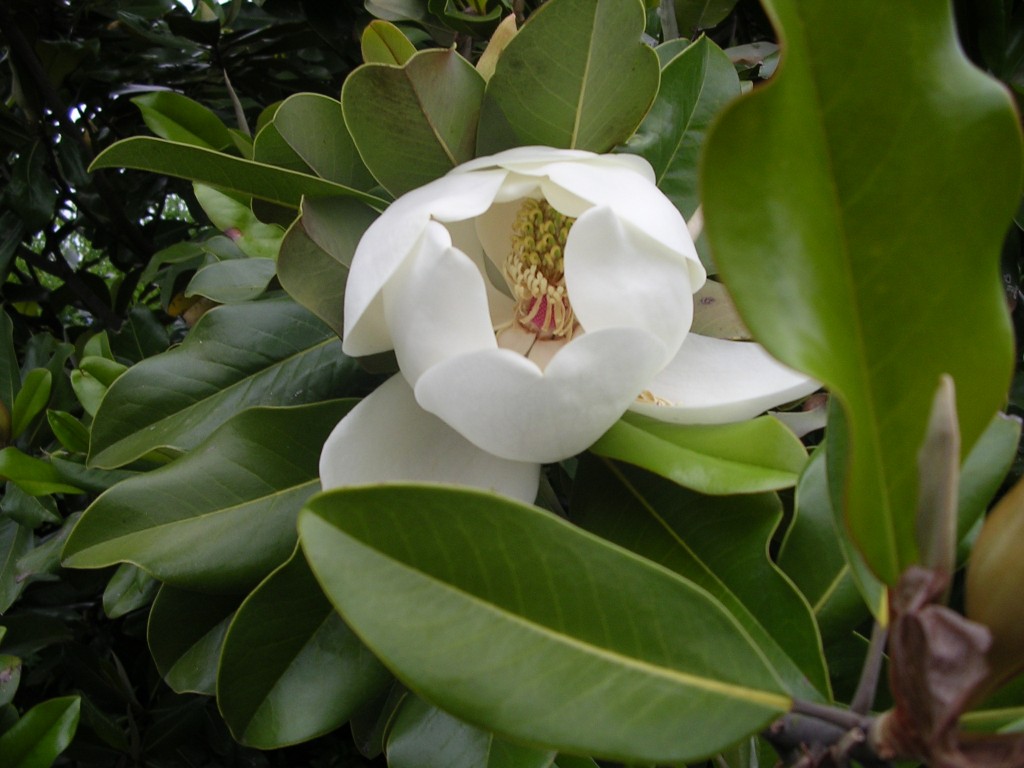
<point x="316" y="254"/>
<point x="887" y="280"/>
<point x="580" y="618"/>
<point x="185" y="634"/>
<point x="270" y="148"/>
<point x="31" y="399"/>
<point x="10" y="371"/>
<point x="34" y="476"/>
<point x="30" y="511"/>
<point x="291" y="669"/>
<point x="41" y="734"/>
<point x="719" y="543"/>
<point x="695" y="85"/>
<point x="140" y="337"/>
<point x="15" y="542"/>
<point x="982" y="473"/>
<point x="695" y="15"/>
<point x="10" y="677"/>
<point x="576" y="76"/>
<point x="92" y="379"/>
<point x="182" y="161"/>
<point x="383" y="43"/>
<point x="669" y="50"/>
<point x="247" y="482"/>
<point x="820" y="559"/>
<point x="422" y="736"/>
<point x="315" y="129"/>
<point x="413" y="124"/>
<point x="129" y="589"/>
<point x="456" y="16"/>
<point x="71" y="433"/>
<point x="744" y="457"/>
<point x="228" y="282"/>
<point x="270" y="352"/>
<point x="175" y="117"/>
<point x="252" y="236"/>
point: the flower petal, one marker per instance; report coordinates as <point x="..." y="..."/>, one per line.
<point x="712" y="381"/>
<point x="524" y="159"/>
<point x="389" y="438"/>
<point x="616" y="277"/>
<point x="390" y="240"/>
<point x="499" y="296"/>
<point x="507" y="406"/>
<point x="634" y="198"/>
<point x="436" y="305"/>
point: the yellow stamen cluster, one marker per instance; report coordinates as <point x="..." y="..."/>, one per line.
<point x="535" y="270"/>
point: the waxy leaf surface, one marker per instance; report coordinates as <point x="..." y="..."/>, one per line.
<point x="576" y="76"/>
<point x="745" y="457"/>
<point x="176" y="399"/>
<point x="421" y="736"/>
<point x="291" y="669"/>
<point x="414" y="123"/>
<point x="717" y="542"/>
<point x="184" y="161"/>
<point x="695" y="85"/>
<point x="538" y="630"/>
<point x="247" y="482"/>
<point x="185" y="632"/>
<point x="871" y="260"/>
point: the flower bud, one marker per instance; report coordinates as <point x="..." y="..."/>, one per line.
<point x="995" y="580"/>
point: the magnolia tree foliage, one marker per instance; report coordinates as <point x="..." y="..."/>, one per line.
<point x="386" y="384"/>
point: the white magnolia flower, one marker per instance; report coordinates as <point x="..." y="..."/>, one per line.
<point x="531" y="299"/>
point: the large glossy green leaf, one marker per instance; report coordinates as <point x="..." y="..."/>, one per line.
<point x="246" y="484"/>
<point x="384" y="43"/>
<point x="695" y="15"/>
<point x="291" y="669"/>
<point x="423" y="736"/>
<point x="538" y="630"/>
<point x="176" y="117"/>
<point x="695" y="85"/>
<point x="717" y="542"/>
<point x="184" y="161"/>
<point x="875" y="236"/>
<point x="232" y="281"/>
<point x="31" y="399"/>
<point x="414" y="123"/>
<point x="41" y="734"/>
<point x="575" y="76"/>
<point x="314" y="128"/>
<point x="229" y="214"/>
<point x="745" y="457"/>
<point x="269" y="352"/>
<point x="35" y="477"/>
<point x="818" y="557"/>
<point x="981" y="474"/>
<point x="185" y="634"/>
<point x="316" y="254"/>
<point x="129" y="589"/>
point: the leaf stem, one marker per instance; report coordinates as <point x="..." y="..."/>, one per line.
<point x="867" y="686"/>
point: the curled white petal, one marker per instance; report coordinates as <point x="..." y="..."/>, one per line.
<point x="617" y="277"/>
<point x="504" y="404"/>
<point x="713" y="381"/>
<point x="391" y="238"/>
<point x="389" y="438"/>
<point x="436" y="305"/>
